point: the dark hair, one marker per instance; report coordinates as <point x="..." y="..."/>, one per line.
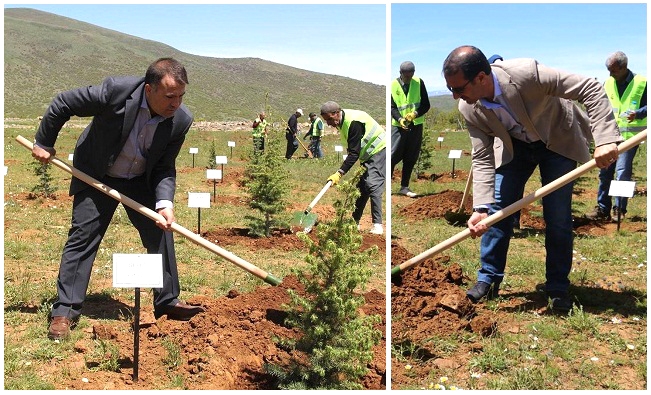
<point x="467" y="59"/>
<point x="163" y="67"/>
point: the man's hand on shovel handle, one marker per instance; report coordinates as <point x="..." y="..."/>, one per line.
<point x="168" y="214"/>
<point x="476" y="229"/>
<point x="43" y="155"/>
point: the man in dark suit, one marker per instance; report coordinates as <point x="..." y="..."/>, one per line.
<point x="138" y="128"/>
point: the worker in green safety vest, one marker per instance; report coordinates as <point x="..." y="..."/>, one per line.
<point x="315" y="133"/>
<point x="627" y="93"/>
<point x="365" y="141"/>
<point x="259" y="132"/>
<point x="409" y="103"/>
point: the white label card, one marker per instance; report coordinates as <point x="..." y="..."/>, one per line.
<point x="70" y="156"/>
<point x="455" y="154"/>
<point x="137" y="271"/>
<point x="194" y="150"/>
<point x="221" y="160"/>
<point x="199" y="199"/>
<point x="214" y="174"/>
<point x="339" y="148"/>
<point x="622" y="188"/>
<point x="231" y="143"/>
<point x="439" y="139"/>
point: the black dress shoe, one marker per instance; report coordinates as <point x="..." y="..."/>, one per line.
<point x="179" y="312"/>
<point x="560" y="301"/>
<point x="482" y="289"/>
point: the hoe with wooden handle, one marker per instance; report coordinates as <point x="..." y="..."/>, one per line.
<point x="268" y="278"/>
<point x="525" y="201"/>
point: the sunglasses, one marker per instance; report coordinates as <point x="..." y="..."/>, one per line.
<point x="459" y="90"/>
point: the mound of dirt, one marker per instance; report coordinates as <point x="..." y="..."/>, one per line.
<point x="225" y="347"/>
<point x="427" y="301"/>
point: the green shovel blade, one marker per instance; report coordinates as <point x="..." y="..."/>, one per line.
<point x="306" y="220"/>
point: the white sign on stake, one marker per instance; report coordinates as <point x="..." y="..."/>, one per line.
<point x="231" y="143"/>
<point x="214" y="174"/>
<point x="622" y="188"/>
<point x="70" y="156"/>
<point x="339" y="148"/>
<point x="194" y="150"/>
<point x="199" y="200"/>
<point x="455" y="154"/>
<point x="221" y="160"/>
<point x="6" y="170"/>
<point x="344" y="156"/>
<point x="137" y="271"/>
<point x="439" y="139"/>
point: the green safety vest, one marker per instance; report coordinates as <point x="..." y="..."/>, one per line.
<point x="316" y="131"/>
<point x="258" y="131"/>
<point x="620" y="105"/>
<point x="373" y="140"/>
<point x="409" y="103"/>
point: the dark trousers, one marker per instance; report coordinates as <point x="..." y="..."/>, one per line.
<point x="371" y="185"/>
<point x="92" y="211"/>
<point x="292" y="145"/>
<point x="405" y="147"/>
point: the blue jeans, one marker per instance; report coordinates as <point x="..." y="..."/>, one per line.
<point x="621" y="170"/>
<point x="510" y="180"/>
<point x="315" y="147"/>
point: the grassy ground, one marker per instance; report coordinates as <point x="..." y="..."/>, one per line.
<point x="36" y="229"/>
<point x="601" y="345"/>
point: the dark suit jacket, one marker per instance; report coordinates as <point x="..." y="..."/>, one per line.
<point x="114" y="105"/>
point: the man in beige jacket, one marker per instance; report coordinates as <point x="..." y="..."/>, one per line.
<point x="520" y="115"/>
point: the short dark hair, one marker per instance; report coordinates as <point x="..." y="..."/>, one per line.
<point x="166" y="66"/>
<point x="467" y="59"/>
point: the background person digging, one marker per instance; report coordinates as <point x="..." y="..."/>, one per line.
<point x="139" y="125"/>
<point x="365" y="140"/>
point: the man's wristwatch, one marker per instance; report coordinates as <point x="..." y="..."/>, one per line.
<point x="480" y="210"/>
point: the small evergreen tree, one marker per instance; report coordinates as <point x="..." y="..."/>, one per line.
<point x="44" y="188"/>
<point x="424" y="160"/>
<point x="212" y="163"/>
<point x="336" y="340"/>
<point x="267" y="188"/>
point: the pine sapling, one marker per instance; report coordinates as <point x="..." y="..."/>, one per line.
<point x="212" y="162"/>
<point x="424" y="160"/>
<point x="267" y="188"/>
<point x="336" y="340"/>
<point x="44" y="188"/>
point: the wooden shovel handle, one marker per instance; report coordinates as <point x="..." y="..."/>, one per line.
<point x="268" y="278"/>
<point x="309" y="153"/>
<point x="466" y="190"/>
<point x="525" y="201"/>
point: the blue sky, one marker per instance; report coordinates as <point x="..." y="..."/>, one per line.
<point x="573" y="37"/>
<point x="320" y="38"/>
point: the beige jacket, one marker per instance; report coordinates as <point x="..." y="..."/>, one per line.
<point x="542" y="100"/>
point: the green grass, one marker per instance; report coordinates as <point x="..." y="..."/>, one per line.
<point x="36" y="230"/>
<point x="533" y="350"/>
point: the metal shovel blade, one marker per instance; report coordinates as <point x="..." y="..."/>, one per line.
<point x="304" y="219"/>
<point x="457" y="218"/>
